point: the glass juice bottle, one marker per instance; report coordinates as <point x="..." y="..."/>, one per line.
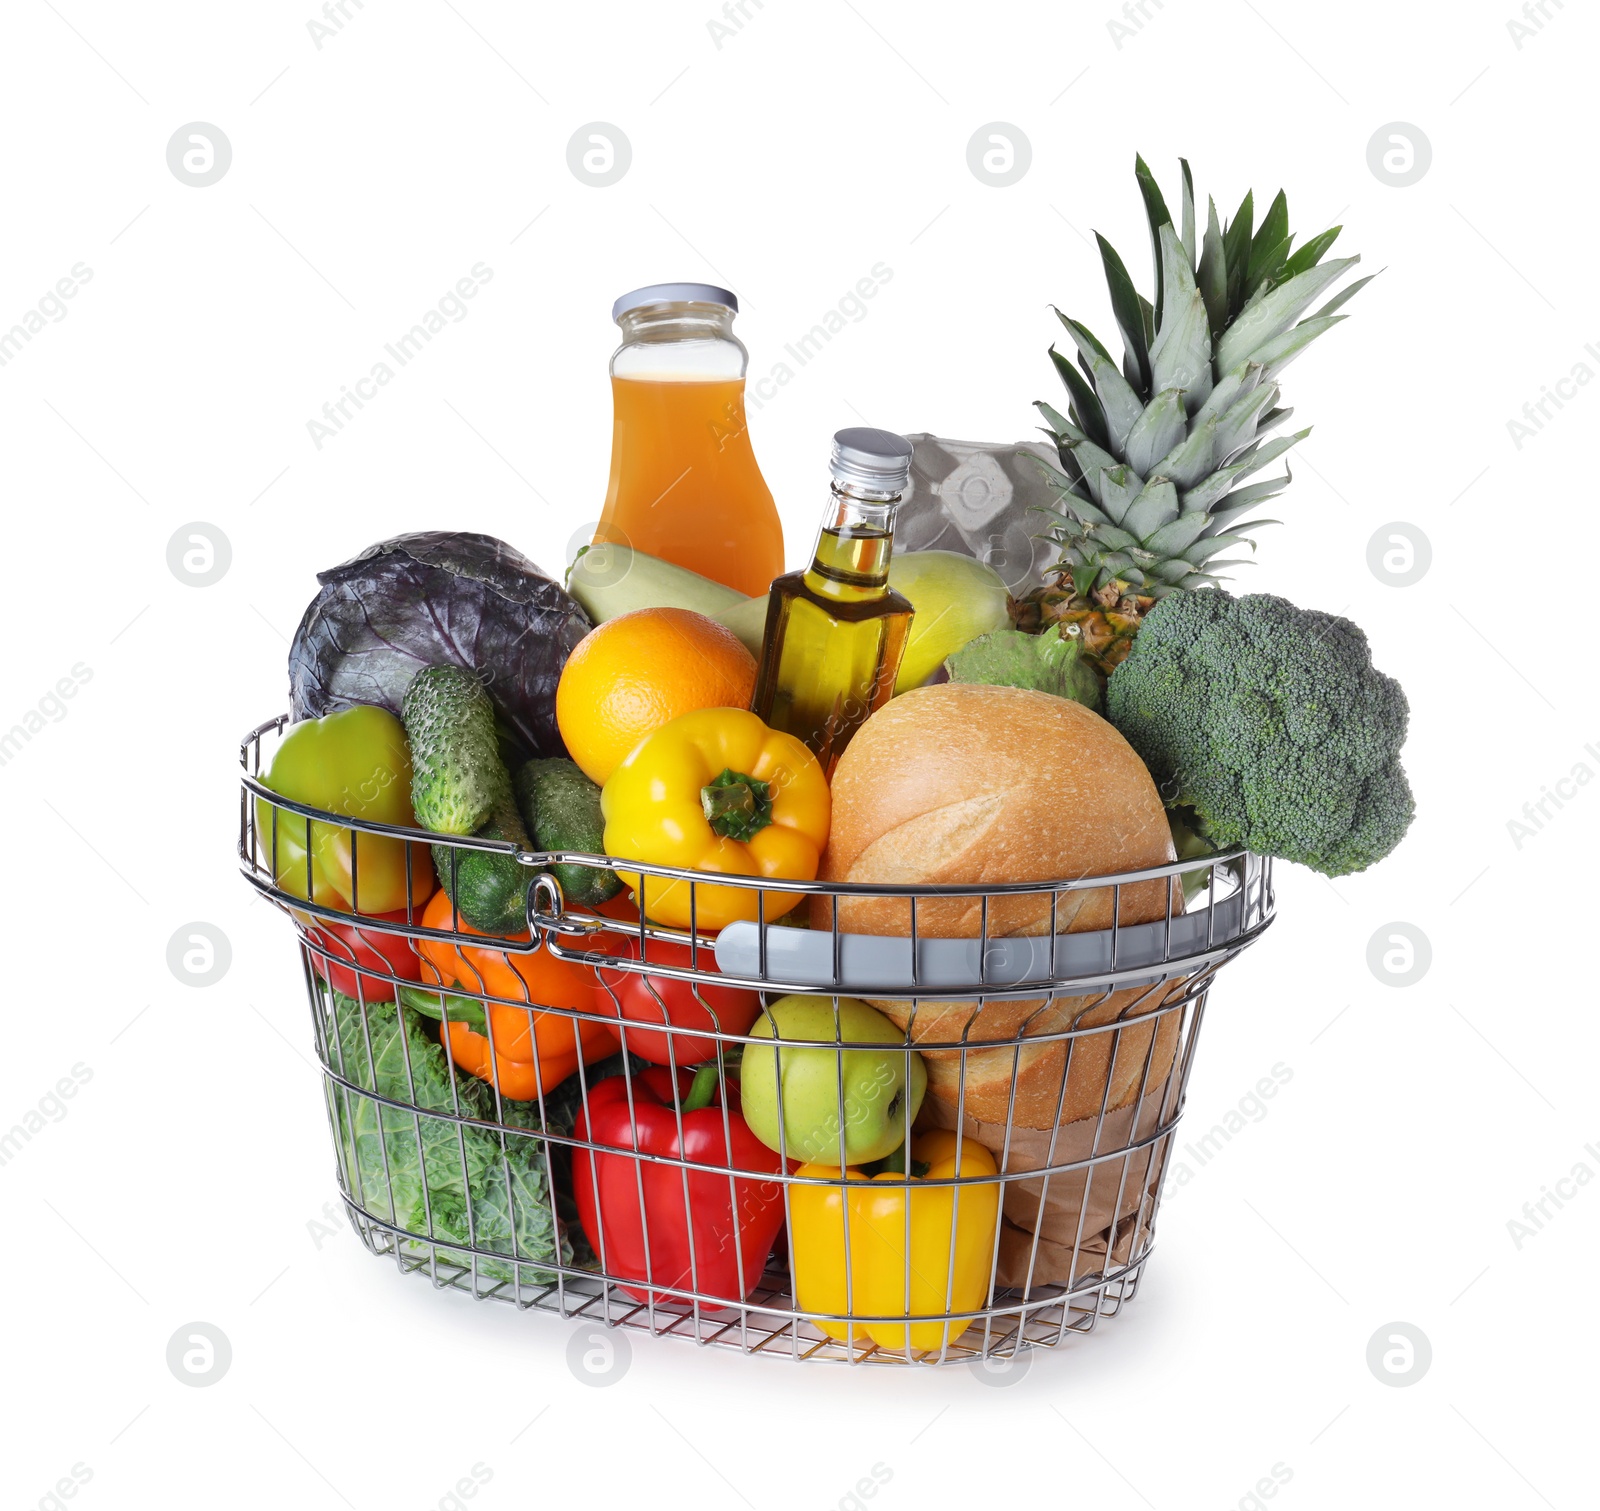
<point x="684" y="481"/>
<point x="835" y="632"/>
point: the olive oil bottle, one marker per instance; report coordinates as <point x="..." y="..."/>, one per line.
<point x="836" y="631"/>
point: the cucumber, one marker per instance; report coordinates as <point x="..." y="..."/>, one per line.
<point x="561" y="808"/>
<point x="456" y="770"/>
<point x="611" y="580"/>
<point x="460" y="786"/>
<point x="490" y="889"/>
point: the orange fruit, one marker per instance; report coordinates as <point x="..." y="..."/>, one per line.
<point x="641" y="670"/>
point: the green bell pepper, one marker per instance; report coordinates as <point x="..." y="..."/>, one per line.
<point x="357" y="763"/>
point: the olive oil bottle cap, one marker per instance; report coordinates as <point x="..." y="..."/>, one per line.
<point x="673" y="293"/>
<point x="876" y="459"/>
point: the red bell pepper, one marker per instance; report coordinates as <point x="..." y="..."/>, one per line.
<point x="730" y="1224"/>
<point x="641" y="997"/>
<point x="337" y="947"/>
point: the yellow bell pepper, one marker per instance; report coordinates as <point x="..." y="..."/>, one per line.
<point x="879" y="1261"/>
<point x="716" y="790"/>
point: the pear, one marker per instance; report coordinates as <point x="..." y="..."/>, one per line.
<point x="956" y="598"/>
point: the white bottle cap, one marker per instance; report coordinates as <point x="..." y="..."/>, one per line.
<point x="673" y="293"/>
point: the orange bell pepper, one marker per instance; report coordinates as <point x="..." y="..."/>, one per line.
<point x="526" y="1050"/>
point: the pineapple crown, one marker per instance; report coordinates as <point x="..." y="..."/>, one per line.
<point x="1151" y="453"/>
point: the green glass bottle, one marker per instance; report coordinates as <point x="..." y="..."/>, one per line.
<point x="836" y="631"/>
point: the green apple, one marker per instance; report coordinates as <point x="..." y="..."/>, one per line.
<point x="877" y="1091"/>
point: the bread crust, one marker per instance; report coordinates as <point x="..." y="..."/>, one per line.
<point x="974" y="784"/>
<point x="965" y="783"/>
<point x="1118" y="1055"/>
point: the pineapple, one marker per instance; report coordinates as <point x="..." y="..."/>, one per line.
<point x="1152" y="454"/>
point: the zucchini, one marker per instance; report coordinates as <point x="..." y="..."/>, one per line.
<point x="561" y="808"/>
<point x="460" y="786"/>
<point x="748" y="620"/>
<point x="612" y="580"/>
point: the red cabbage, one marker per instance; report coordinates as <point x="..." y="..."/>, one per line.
<point x="437" y="598"/>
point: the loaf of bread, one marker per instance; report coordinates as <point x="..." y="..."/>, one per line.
<point x="963" y="783"/>
<point x="1058" y="1080"/>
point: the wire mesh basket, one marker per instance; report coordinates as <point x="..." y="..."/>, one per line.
<point x="605" y="1118"/>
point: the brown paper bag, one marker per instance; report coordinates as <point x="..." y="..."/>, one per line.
<point x="1087" y="1221"/>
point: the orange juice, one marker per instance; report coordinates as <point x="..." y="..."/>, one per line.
<point x="684" y="481"/>
<point x="685" y="485"/>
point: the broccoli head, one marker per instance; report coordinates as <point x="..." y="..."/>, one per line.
<point x="1269" y="722"/>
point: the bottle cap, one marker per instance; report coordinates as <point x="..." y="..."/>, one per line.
<point x="674" y="293"/>
<point x="875" y="459"/>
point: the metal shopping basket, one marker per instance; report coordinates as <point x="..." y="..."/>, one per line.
<point x="1056" y="1060"/>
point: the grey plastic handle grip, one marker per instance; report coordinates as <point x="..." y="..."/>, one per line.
<point x="1019" y="965"/>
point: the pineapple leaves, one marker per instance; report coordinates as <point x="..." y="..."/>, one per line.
<point x="1240" y="381"/>
<point x="1176" y="536"/>
<point x="1222" y="519"/>
<point x="1157" y="430"/>
<point x="1118" y="402"/>
<point x="1274" y="313"/>
<point x="1248" y="497"/>
<point x="1119" y="486"/>
<point x="1158" y="442"/>
<point x="1125" y="305"/>
<point x="1085" y="406"/>
<point x="1213" y="273"/>
<point x="1210" y="579"/>
<point x="1202" y="551"/>
<point x="1271" y="267"/>
<point x="1083" y="576"/>
<point x="1239" y="532"/>
<point x="1311" y="253"/>
<point x="1345" y="295"/>
<point x="1068" y="494"/>
<point x="1278" y="353"/>
<point x="1114" y="537"/>
<point x="1181" y="356"/>
<point x="1237" y="427"/>
<point x="1060" y="425"/>
<point x="1207" y="492"/>
<point x="1270" y="246"/>
<point x="1173" y="573"/>
<point x="1189" y="248"/>
<point x="1102" y="474"/>
<point x="1155" y="209"/>
<point x="1236" y="252"/>
<point x="1192" y="459"/>
<point x="1118" y="564"/>
<point x="1156" y="506"/>
<point x="1084" y="339"/>
<point x="1272" y="419"/>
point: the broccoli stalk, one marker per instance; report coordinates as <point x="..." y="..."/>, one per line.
<point x="1270" y="724"/>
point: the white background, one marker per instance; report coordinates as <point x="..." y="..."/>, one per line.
<point x="188" y="1177"/>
